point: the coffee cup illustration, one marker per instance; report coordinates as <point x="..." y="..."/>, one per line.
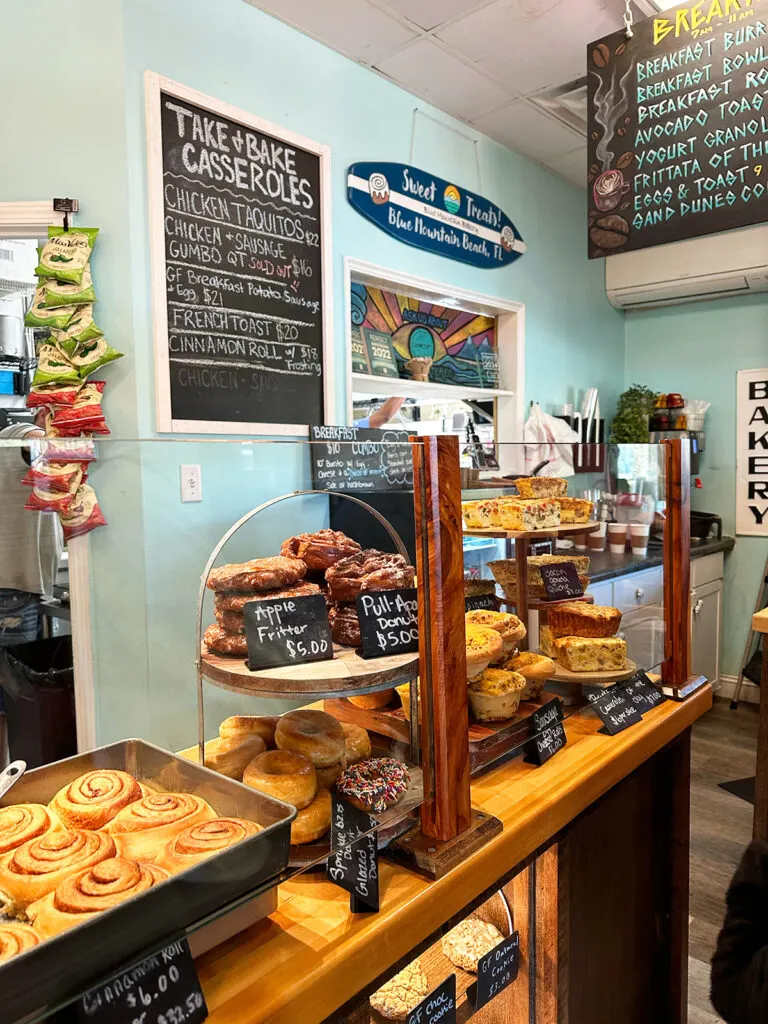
<point x="609" y="189"/>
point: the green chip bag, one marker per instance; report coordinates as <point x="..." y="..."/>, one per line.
<point x="40" y="315"/>
<point x="53" y="366"/>
<point x="66" y="253"/>
<point x="59" y="293"/>
<point x="89" y="356"/>
<point x="80" y="327"/>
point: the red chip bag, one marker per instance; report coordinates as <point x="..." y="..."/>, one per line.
<point x="49" y="501"/>
<point x="84" y="416"/>
<point x="54" y="476"/>
<point x="84" y="514"/>
<point x="56" y="448"/>
<point x="53" y="394"/>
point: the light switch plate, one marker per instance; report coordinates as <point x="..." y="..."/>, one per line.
<point x="191" y="483"/>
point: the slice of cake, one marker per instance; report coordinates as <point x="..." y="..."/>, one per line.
<point x="589" y="654"/>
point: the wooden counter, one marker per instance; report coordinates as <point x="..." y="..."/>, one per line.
<point x="312" y="956"/>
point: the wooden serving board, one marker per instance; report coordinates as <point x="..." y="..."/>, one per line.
<point x="345" y="673"/>
<point x="553" y="531"/>
<point x="564" y="675"/>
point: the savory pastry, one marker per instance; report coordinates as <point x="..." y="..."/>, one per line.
<point x="242" y="726"/>
<point x="368" y="570"/>
<point x="505" y="573"/>
<point x="541" y="486"/>
<point x="495" y="695"/>
<point x="312" y="821"/>
<point x="327" y="776"/>
<point x="16" y="938"/>
<point x="229" y="621"/>
<point x="314" y="734"/>
<point x="93" y="800"/>
<point x="284" y="776"/>
<point x="375" y="785"/>
<point x="198" y="842"/>
<point x="525" y="514"/>
<point x="470" y="940"/>
<point x="345" y="625"/>
<point x="577" y="618"/>
<point x="483" y="646"/>
<point x="575" y="510"/>
<point x="21" y="822"/>
<point x="231" y="756"/>
<point x="589" y="654"/>
<point x="404" y="693"/>
<point x="219" y="641"/>
<point x="33" y="870"/>
<point x="401" y="994"/>
<point x="534" y="668"/>
<point x="258" y="574"/>
<point x="546" y="641"/>
<point x="143" y="828"/>
<point x="88" y="893"/>
<point x="477" y="514"/>
<point x="320" y="550"/>
<point x="358" y="742"/>
<point x="373" y="701"/>
<point x="479" y="588"/>
<point x="508" y="626"/>
<point x="236" y="600"/>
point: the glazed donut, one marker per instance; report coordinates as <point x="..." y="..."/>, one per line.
<point x="320" y="550"/>
<point x="368" y="570"/>
<point x="258" y="574"/>
<point x="232" y="755"/>
<point x="283" y="775"/>
<point x="314" y="734"/>
<point x="358" y="742"/>
<point x="240" y="726"/>
<point x="327" y="776"/>
<point x="236" y="600"/>
<point x="374" y="785"/>
<point x="312" y="821"/>
<point x="373" y="701"/>
<point x="345" y="625"/>
<point x="219" y="641"/>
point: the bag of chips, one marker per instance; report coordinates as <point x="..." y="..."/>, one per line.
<point x="84" y="415"/>
<point x="41" y="500"/>
<point x="66" y="253"/>
<point x="80" y="328"/>
<point x="66" y="449"/>
<point x="61" y="293"/>
<point x="89" y="356"/>
<point x="53" y="394"/>
<point x="54" y="367"/>
<point x="84" y="514"/>
<point x="54" y="476"/>
<point x="41" y="315"/>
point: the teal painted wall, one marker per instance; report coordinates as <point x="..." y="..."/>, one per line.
<point x="696" y="349"/>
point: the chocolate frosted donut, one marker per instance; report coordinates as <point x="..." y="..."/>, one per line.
<point x="320" y="550"/>
<point x="258" y="574"/>
<point x="236" y="600"/>
<point x="345" y="625"/>
<point x="368" y="570"/>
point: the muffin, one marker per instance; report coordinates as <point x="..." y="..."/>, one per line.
<point x="508" y="626"/>
<point x="535" y="669"/>
<point x="496" y="694"/>
<point x="484" y="645"/>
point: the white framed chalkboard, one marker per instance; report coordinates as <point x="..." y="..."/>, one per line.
<point x="240" y="233"/>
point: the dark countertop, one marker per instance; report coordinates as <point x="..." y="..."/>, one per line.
<point x="605" y="566"/>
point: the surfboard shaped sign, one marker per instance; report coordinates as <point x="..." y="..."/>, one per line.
<point x="433" y="214"/>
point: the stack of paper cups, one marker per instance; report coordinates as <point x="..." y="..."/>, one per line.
<point x="617" y="537"/>
<point x="638" y="533"/>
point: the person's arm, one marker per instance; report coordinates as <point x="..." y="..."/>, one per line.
<point x="740" y="964"/>
<point x="385" y="412"/>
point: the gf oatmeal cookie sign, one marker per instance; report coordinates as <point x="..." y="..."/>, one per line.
<point x="239" y="214"/>
<point x="677" y="136"/>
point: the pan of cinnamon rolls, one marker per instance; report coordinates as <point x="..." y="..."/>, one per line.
<point x="118" y="849"/>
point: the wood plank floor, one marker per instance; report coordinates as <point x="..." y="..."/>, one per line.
<point x="723" y="749"/>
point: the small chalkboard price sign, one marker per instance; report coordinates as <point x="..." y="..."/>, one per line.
<point x="549" y="733"/>
<point x="616" y="711"/>
<point x="161" y="989"/>
<point x="483" y="602"/>
<point x="355" y="867"/>
<point x="641" y="691"/>
<point x="561" y="581"/>
<point x="439" y="1007"/>
<point x="495" y="971"/>
<point x="286" y="631"/>
<point x="389" y="621"/>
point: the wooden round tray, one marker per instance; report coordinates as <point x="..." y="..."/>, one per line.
<point x="344" y="675"/>
<point x="553" y="531"/>
<point x="564" y="675"/>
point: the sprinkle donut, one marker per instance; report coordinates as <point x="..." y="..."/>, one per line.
<point x="374" y="785"/>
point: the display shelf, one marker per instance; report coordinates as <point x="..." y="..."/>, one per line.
<point x="568" y="530"/>
<point x="402" y="387"/>
<point x="564" y="675"/>
<point x="541" y="604"/>
<point x="346" y="673"/>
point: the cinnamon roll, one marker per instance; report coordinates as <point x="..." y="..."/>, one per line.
<point x="93" y="800"/>
<point x="198" y="842"/>
<point x="21" y="822"/>
<point x="16" y="938"/>
<point x="143" y="828"/>
<point x="86" y="894"/>
<point x="33" y="870"/>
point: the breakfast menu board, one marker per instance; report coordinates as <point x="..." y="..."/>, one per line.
<point x="677" y="136"/>
<point x="352" y="459"/>
<point x="238" y="264"/>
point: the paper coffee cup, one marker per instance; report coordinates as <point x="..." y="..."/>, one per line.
<point x="617" y="537"/>
<point x="596" y="539"/>
<point x="638" y="535"/>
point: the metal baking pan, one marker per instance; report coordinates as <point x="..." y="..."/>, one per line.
<point x="60" y="969"/>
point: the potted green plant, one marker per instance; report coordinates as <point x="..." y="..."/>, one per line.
<point x="633" y="411"/>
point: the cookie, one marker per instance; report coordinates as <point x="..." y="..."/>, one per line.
<point x="401" y="994"/>
<point x="470" y="940"/>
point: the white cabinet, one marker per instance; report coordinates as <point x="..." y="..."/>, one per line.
<point x="705" y="630"/>
<point x="639" y="589"/>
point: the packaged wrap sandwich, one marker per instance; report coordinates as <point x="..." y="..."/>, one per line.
<point x="66" y="254"/>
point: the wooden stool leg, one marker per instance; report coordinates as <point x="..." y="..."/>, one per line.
<point x="760" y="821"/>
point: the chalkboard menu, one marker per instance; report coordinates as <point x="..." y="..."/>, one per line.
<point x="389" y="621"/>
<point x="615" y="710"/>
<point x="286" y="631"/>
<point x="352" y="459"/>
<point x="495" y="971"/>
<point x="676" y="136"/>
<point x="238" y="234"/>
<point x="354" y="864"/>
<point x="561" y="581"/>
<point x="481" y="602"/>
<point x="439" y="1007"/>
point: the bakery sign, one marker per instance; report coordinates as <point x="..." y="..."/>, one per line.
<point x="752" y="452"/>
<point x="433" y="214"/>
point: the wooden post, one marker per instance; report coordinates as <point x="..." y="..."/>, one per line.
<point x="760" y="821"/>
<point x="446" y="810"/>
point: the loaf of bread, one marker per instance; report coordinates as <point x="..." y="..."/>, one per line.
<point x="576" y="618"/>
<point x="540" y="486"/>
<point x="505" y="572"/>
<point x="574" y="510"/>
<point x="589" y="654"/>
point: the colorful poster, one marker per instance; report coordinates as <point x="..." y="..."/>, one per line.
<point x="360" y="361"/>
<point x="380" y="354"/>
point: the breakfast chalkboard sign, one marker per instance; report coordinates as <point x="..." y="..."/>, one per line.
<point x="239" y="229"/>
<point x="389" y="621"/>
<point x="352" y="459"/>
<point x="677" y="137"/>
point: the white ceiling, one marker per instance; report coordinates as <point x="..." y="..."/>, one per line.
<point x="491" y="63"/>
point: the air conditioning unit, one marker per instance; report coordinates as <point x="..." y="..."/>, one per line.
<point x="711" y="267"/>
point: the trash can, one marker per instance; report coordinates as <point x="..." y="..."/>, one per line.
<point x="38" y="686"/>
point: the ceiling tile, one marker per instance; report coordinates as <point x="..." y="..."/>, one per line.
<point x="532" y="44"/>
<point x="428" y="70"/>
<point x="521" y="127"/>
<point x="430" y="13"/>
<point x="355" y="27"/>
<point x="572" y="166"/>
